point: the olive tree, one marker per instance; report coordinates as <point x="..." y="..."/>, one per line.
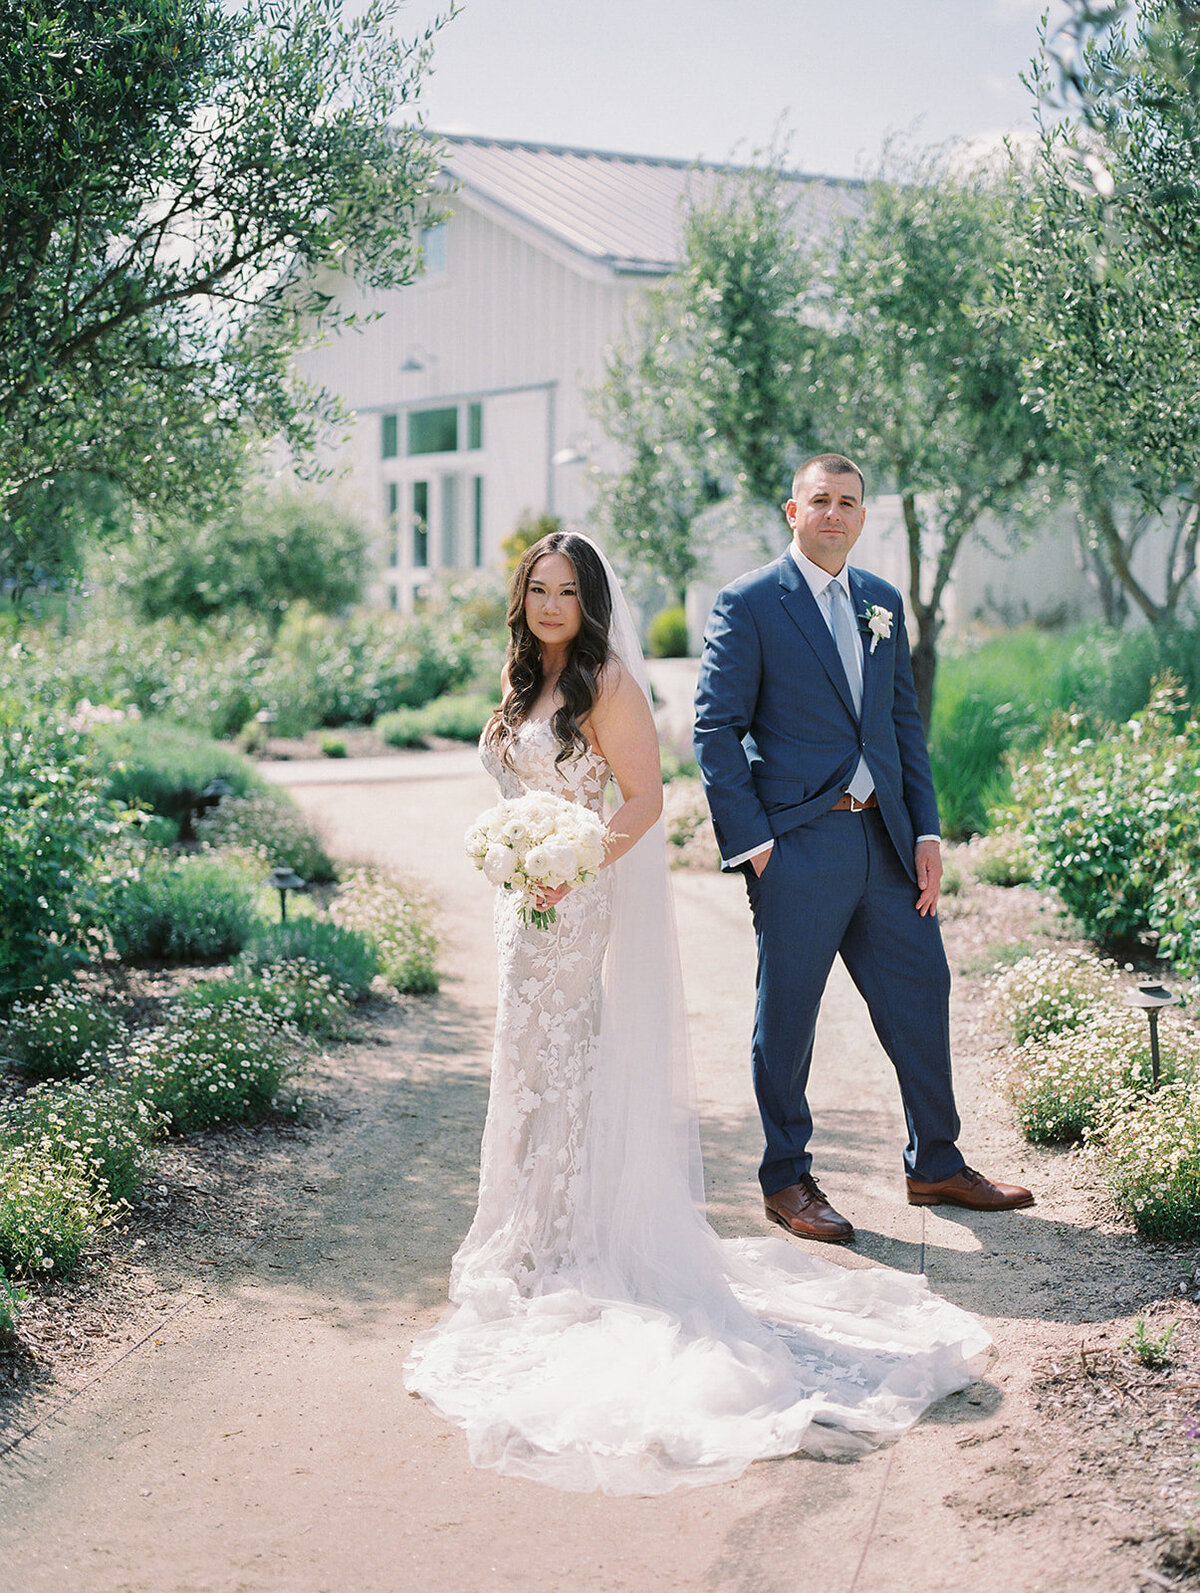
<point x="924" y="380"/>
<point x="709" y="397"/>
<point x="173" y="173"/>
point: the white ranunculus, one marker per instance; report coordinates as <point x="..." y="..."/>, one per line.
<point x="537" y="864"/>
<point x="499" y="865"/>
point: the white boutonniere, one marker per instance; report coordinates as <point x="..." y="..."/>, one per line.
<point x="877" y="621"/>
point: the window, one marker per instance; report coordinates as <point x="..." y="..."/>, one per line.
<point x="393" y="509"/>
<point x="390" y="440"/>
<point x="433" y="249"/>
<point x="449" y="548"/>
<point x="420" y="525"/>
<point x="477" y="523"/>
<point x="474" y="425"/>
<point x="433" y="431"/>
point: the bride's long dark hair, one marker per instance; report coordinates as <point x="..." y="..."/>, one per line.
<point x="579" y="683"/>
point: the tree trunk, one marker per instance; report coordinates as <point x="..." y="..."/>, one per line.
<point x="924" y="667"/>
<point x="929" y="626"/>
<point x="1113" y="598"/>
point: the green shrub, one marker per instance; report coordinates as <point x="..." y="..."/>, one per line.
<point x="378" y="907"/>
<point x="667" y="634"/>
<point x="333" y="747"/>
<point x="1069" y="1085"/>
<point x="220" y="1062"/>
<point x="1005" y="857"/>
<point x="265" y="554"/>
<point x="457" y="718"/>
<point x="88" y="1123"/>
<point x="188" y="910"/>
<point x="348" y="957"/>
<point x="54" y="830"/>
<point x="325" y="672"/>
<point x="268" y="824"/>
<point x="216" y="676"/>
<point x="1111" y="818"/>
<point x="49" y="1210"/>
<point x="1110" y="675"/>
<point x="59" y="1036"/>
<point x="199" y="675"/>
<point x="1151" y="1162"/>
<point x="997" y="698"/>
<point x="296" y="993"/>
<point x="1175" y="906"/>
<point x="12" y="1299"/>
<point x="166" y="768"/>
<point x="1051" y="992"/>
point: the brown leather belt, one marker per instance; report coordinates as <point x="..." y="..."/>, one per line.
<point x="849" y="804"/>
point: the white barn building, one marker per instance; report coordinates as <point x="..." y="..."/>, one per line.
<point x="470" y="387"/>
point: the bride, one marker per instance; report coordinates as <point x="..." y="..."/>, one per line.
<point x="600" y="1334"/>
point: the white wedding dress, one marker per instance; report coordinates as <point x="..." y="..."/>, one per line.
<point x="601" y="1335"/>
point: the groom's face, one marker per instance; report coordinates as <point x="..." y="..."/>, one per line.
<point x="826" y="515"/>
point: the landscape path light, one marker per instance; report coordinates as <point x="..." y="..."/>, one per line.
<point x="1150" y="996"/>
<point x="284" y="880"/>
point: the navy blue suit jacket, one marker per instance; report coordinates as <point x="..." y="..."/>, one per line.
<point x="776" y="737"/>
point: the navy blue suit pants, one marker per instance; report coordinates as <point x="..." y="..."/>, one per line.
<point x="835" y="885"/>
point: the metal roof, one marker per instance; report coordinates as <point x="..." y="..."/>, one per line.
<point x="622" y="211"/>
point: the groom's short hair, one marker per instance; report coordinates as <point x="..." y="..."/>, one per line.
<point x="836" y="465"/>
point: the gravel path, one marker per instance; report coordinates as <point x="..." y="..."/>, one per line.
<point x="262" y="1440"/>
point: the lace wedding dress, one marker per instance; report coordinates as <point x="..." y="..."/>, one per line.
<point x="601" y="1335"/>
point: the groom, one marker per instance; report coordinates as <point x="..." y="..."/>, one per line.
<point x="815" y="767"/>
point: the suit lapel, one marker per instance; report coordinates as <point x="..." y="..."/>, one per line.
<point x="804" y="611"/>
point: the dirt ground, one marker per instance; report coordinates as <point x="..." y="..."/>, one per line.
<point x="221" y="1406"/>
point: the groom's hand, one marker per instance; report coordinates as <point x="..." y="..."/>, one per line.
<point x="760" y="859"/>
<point x="928" y="860"/>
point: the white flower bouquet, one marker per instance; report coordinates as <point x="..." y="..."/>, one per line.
<point x="536" y="842"/>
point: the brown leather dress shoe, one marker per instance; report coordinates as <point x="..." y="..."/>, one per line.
<point x="970" y="1189"/>
<point x="803" y="1210"/>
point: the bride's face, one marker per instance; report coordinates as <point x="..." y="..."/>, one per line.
<point x="552" y="609"/>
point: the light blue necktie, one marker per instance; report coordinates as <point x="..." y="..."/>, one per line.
<point x="845" y="634"/>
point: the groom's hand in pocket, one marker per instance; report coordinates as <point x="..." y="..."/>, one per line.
<point x="760" y="859"/>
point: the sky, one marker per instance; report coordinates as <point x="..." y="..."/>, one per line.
<point x="726" y="79"/>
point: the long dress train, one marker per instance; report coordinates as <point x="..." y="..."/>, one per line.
<point x="600" y="1334"/>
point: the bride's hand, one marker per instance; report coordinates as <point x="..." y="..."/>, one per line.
<point x="551" y="898"/>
